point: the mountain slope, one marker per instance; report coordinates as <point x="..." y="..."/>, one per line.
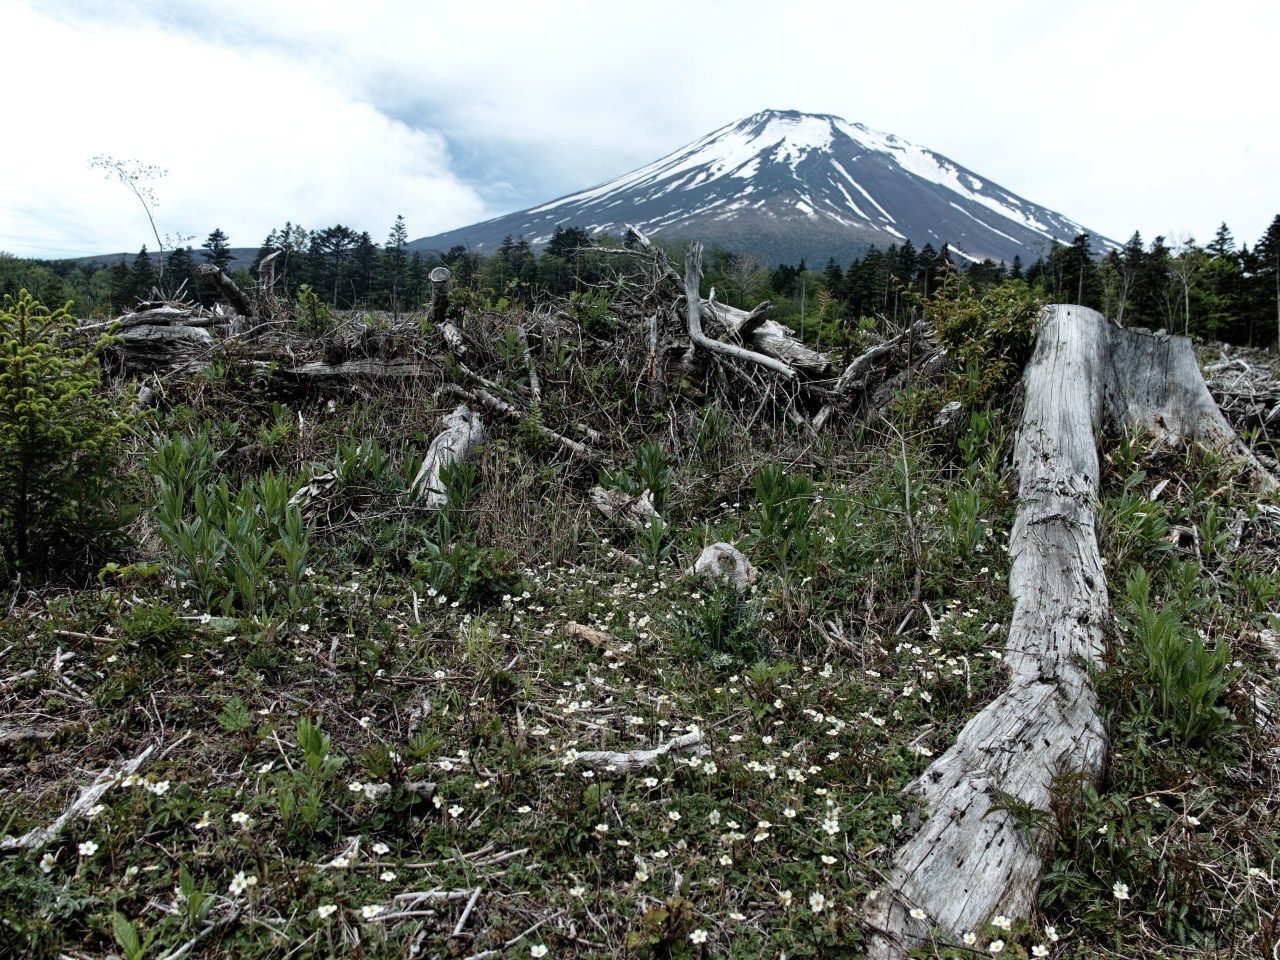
<point x="785" y="185"/>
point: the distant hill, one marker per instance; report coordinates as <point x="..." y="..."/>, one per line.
<point x="785" y="185"/>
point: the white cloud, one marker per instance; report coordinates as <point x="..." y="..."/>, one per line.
<point x="249" y="140"/>
<point x="1144" y="115"/>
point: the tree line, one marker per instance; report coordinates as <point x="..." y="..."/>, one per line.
<point x="1221" y="291"/>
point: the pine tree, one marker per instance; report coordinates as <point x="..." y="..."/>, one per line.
<point x="143" y="275"/>
<point x="1267" y="252"/>
<point x="217" y="250"/>
<point x="60" y="440"/>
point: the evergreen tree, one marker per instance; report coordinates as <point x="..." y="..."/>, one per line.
<point x="394" y="263"/>
<point x="120" y="286"/>
<point x="1267" y="253"/>
<point x="180" y="273"/>
<point x="217" y="250"/>
<point x="142" y="277"/>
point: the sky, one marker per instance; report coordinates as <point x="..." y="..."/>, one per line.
<point x="1159" y="117"/>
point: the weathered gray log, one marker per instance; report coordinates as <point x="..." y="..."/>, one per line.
<point x="395" y="369"/>
<point x="692" y="277"/>
<point x="463" y="433"/>
<point x="723" y="561"/>
<point x="635" y="512"/>
<point x="620" y="763"/>
<point x="441" y="279"/>
<point x="227" y="287"/>
<point x="763" y="335"/>
<point x="970" y="860"/>
<point x="147" y="347"/>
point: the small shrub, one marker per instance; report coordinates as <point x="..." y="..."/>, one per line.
<point x="62" y="506"/>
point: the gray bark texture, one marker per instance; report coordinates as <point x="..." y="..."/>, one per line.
<point x="969" y="860"/>
<point x="463" y="433"/>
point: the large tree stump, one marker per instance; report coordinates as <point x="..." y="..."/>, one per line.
<point x="969" y="860"/>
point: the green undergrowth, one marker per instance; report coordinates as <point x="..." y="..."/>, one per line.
<point x="363" y="712"/>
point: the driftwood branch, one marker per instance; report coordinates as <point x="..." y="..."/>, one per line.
<point x="969" y="859"/>
<point x="623" y="763"/>
<point x="692" y="277"/>
<point x="490" y="402"/>
<point x="41" y="836"/>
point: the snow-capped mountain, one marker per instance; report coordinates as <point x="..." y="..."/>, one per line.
<point x="785" y="185"/>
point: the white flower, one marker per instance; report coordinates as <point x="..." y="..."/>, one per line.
<point x="159" y="788"/>
<point x="88" y="848"/>
<point x="240" y="818"/>
<point x="828" y="859"/>
<point x="895" y="821"/>
<point x="240" y="883"/>
<point x="386" y="876"/>
<point x="726" y="860"/>
<point x="918" y="914"/>
<point x="355" y="786"/>
<point x="455" y="811"/>
<point x="96" y="809"/>
<point x="970" y="938"/>
<point x="538" y="950"/>
<point x="380" y="848"/>
<point x="713" y="817"/>
<point x="577" y="890"/>
<point x="326" y="910"/>
<point x="673" y="815"/>
<point x="1003" y="922"/>
<point x="370" y="911"/>
<point x="817" y="902"/>
<point x="47" y="863"/>
<point x="1051" y="933"/>
<point x="1039" y="950"/>
<point x="785" y="898"/>
<point x="340" y="862"/>
<point x="1120" y="890"/>
<point x="995" y="946"/>
<point x="203" y="822"/>
<point x="698" y="936"/>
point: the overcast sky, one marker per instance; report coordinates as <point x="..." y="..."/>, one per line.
<point x="1160" y="117"/>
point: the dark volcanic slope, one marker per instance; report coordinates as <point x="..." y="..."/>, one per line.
<point x="785" y="185"/>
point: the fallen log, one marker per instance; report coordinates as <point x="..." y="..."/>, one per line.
<point x="970" y="859"/>
<point x="692" y="278"/>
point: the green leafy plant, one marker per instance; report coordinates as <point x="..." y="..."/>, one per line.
<point x="782" y="515"/>
<point x="1185" y="680"/>
<point x="132" y="945"/>
<point x="723" y="629"/>
<point x="302" y="793"/>
<point x="647" y="470"/>
<point x="62" y="508"/>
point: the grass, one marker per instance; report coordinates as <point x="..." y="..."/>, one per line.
<point x="348" y="752"/>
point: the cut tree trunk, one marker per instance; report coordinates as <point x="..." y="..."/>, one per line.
<point x="970" y="859"/>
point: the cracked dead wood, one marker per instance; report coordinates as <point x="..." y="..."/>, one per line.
<point x="692" y="278"/>
<point x="41" y="836"/>
<point x="622" y="763"/>
<point x="227" y="287"/>
<point x="463" y="433"/>
<point x="970" y="859"/>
